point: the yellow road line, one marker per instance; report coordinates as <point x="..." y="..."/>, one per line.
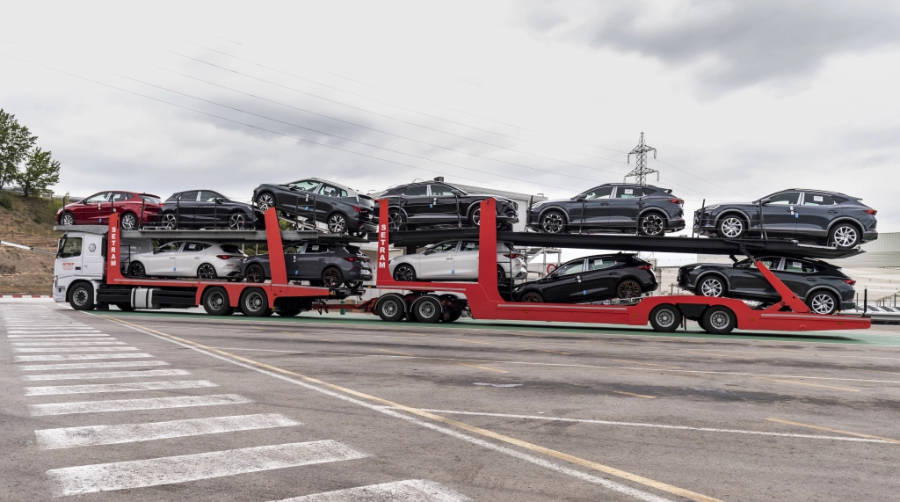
<point x="486" y="368"/>
<point x="589" y="464"/>
<point x="829" y="429"/>
<point x="471" y="341"/>
<point x="807" y="384"/>
<point x="396" y="352"/>
<point x="645" y="396"/>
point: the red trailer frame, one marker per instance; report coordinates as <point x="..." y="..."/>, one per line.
<point x="790" y="314"/>
<point x="278" y="288"/>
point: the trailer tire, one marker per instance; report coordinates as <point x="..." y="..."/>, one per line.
<point x="428" y="309"/>
<point x="390" y="307"/>
<point x="665" y="317"/>
<point x="718" y="320"/>
<point x="254" y="303"/>
<point x="215" y="301"/>
<point x="81" y="296"/>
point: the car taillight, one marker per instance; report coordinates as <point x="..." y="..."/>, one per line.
<point x="645" y="267"/>
<point x="227" y="256"/>
<point x="680" y="202"/>
<point x="872" y="211"/>
<point x="357" y="209"/>
<point x="351" y="258"/>
<point x="512" y="255"/>
<point x="850" y="281"/>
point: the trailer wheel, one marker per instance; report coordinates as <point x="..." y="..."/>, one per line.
<point x="718" y="319"/>
<point x="81" y="296"/>
<point x="390" y="307"/>
<point x="215" y="302"/>
<point x="665" y="317"/>
<point x="427" y="308"/>
<point x="254" y="303"/>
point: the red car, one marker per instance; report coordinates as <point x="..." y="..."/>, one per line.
<point x="135" y="209"/>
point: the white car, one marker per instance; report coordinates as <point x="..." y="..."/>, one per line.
<point x="456" y="260"/>
<point x="206" y="260"/>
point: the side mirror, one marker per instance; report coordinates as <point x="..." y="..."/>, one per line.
<point x="219" y="200"/>
<point x="579" y="198"/>
<point x="765" y="200"/>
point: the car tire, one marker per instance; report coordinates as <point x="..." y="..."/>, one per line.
<point x="427" y="309"/>
<point x="332" y="277"/>
<point x="169" y="220"/>
<point x="81" y="296"/>
<point x="254" y="303"/>
<point x="337" y="223"/>
<point x="553" y="222"/>
<point x="206" y="271"/>
<point x="265" y="200"/>
<point x="665" y="318"/>
<point x="711" y="285"/>
<point x="395" y="220"/>
<point x="404" y="272"/>
<point x="390" y="307"/>
<point x="255" y="273"/>
<point x="531" y="297"/>
<point x="136" y="269"/>
<point x="67" y="219"/>
<point x="628" y="288"/>
<point x="844" y="236"/>
<point x="731" y="226"/>
<point x="353" y="285"/>
<point x="215" y="301"/>
<point x="652" y="224"/>
<point x="237" y="221"/>
<point x="719" y="320"/>
<point x="822" y="302"/>
<point x="475" y="215"/>
<point x="129" y="221"/>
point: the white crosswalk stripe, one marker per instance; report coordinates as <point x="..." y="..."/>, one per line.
<point x="88" y="366"/>
<point x="78" y="357"/>
<point x="95" y="435"/>
<point x="182" y="468"/>
<point x="105" y="374"/>
<point x="67" y="343"/>
<point x="60" y="335"/>
<point x="73" y="349"/>
<point x="98" y="388"/>
<point x="153" y="403"/>
<point x="413" y="490"/>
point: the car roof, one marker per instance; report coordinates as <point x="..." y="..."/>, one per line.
<point x="817" y="190"/>
<point x="617" y="184"/>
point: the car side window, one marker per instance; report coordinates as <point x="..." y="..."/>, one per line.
<point x="572" y="268"/>
<point x="798" y="267"/>
<point x="598" y="193"/>
<point x="169" y="248"/>
<point x="332" y="191"/>
<point x="469" y="246"/>
<point x="601" y="263"/>
<point x="189" y="196"/>
<point x="95" y="199"/>
<point x="193" y="247"/>
<point x="209" y="196"/>
<point x="770" y="263"/>
<point x="818" y="199"/>
<point x="784" y="198"/>
<point x="308" y="185"/>
<point x="416" y="190"/>
<point x="439" y="190"/>
<point x="624" y="192"/>
<point x="120" y="196"/>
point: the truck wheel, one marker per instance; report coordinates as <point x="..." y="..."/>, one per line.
<point x="427" y="309"/>
<point x="665" y="317"/>
<point x="215" y="302"/>
<point x="81" y="296"/>
<point x="718" y="320"/>
<point x="255" y="303"/>
<point x="390" y="307"/>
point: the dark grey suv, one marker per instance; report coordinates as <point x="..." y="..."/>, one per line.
<point x="341" y="208"/>
<point x="814" y="216"/>
<point x="613" y="207"/>
<point x="328" y="265"/>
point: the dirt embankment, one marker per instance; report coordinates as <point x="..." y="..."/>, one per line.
<point x="27" y="221"/>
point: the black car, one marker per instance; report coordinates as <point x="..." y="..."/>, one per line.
<point x="328" y="265"/>
<point x="435" y="203"/>
<point x="315" y="200"/>
<point x="613" y="207"/>
<point x="592" y="278"/>
<point x="822" y="286"/>
<point x="815" y="216"/>
<point x="207" y="209"/>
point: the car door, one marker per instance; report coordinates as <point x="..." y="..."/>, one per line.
<point x="446" y="204"/>
<point x="436" y="262"/>
<point x="190" y="257"/>
<point x="779" y="212"/>
<point x="162" y="260"/>
<point x="566" y="283"/>
<point x="746" y="279"/>
<point x="117" y="204"/>
<point x="327" y="200"/>
<point x="300" y="198"/>
<point x="794" y="273"/>
<point x="623" y="207"/>
<point x="89" y="210"/>
<point x="209" y="210"/>
<point x="593" y="210"/>
<point x="465" y="260"/>
<point x="599" y="281"/>
<point x="186" y="207"/>
<point x="417" y="204"/>
<point x="815" y="213"/>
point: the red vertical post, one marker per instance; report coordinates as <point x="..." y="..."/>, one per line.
<point x="113" y="250"/>
<point x="383" y="272"/>
<point x="277" y="266"/>
<point x="487" y="250"/>
<point x="787" y="296"/>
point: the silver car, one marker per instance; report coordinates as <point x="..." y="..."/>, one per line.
<point x="206" y="260"/>
<point x="456" y="260"/>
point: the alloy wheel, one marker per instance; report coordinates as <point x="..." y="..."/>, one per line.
<point x="265" y="201"/>
<point x="822" y="303"/>
<point x="712" y="287"/>
<point x="170" y="221"/>
<point x="395" y="220"/>
<point x="255" y="273"/>
<point x="337" y="224"/>
<point x="206" y="271"/>
<point x="129" y="221"/>
<point x="136" y="269"/>
<point x="68" y="219"/>
<point x="331" y="277"/>
<point x="404" y="272"/>
<point x="532" y="296"/>
<point x="845" y="236"/>
<point x="476" y="216"/>
<point x="552" y="223"/>
<point x="628" y="288"/>
<point x="732" y="227"/>
<point x="237" y="221"/>
<point x="652" y="224"/>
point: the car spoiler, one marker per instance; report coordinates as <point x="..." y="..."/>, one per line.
<point x="151" y="195"/>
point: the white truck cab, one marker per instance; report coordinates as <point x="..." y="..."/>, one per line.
<point x="80" y="259"/>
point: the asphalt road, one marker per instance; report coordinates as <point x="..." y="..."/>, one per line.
<point x="156" y="406"/>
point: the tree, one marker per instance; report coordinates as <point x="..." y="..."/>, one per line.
<point x="15" y="142"/>
<point x="40" y="172"/>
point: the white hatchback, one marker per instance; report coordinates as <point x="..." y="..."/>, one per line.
<point x="206" y="260"/>
<point x="456" y="260"/>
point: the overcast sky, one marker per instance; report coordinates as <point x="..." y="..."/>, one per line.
<point x="741" y="98"/>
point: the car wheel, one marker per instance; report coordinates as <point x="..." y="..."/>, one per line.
<point x="501" y="276"/>
<point x="337" y="223"/>
<point x="395" y="219"/>
<point x="732" y="226"/>
<point x="427" y="309"/>
<point x="332" y="277"/>
<point x="255" y="273"/>
<point x="128" y="221"/>
<point x="255" y="303"/>
<point x="136" y="269"/>
<point x="822" y="302"/>
<point x="237" y="221"/>
<point x="404" y="272"/>
<point x="553" y="222"/>
<point x="665" y="318"/>
<point x="67" y="218"/>
<point x="81" y="296"/>
<point x="215" y="302"/>
<point x="265" y="200"/>
<point x="390" y="307"/>
<point x="353" y="285"/>
<point x="719" y="320"/>
<point x="652" y="225"/>
<point x="844" y="236"/>
<point x="475" y="216"/>
<point x="170" y="221"/>
<point x="711" y="286"/>
<point x="629" y="288"/>
<point x="206" y="271"/>
<point x="532" y="297"/>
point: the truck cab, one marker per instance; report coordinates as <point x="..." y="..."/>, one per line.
<point x="80" y="257"/>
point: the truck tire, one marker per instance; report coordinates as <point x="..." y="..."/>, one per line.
<point x="254" y="303"/>
<point x="215" y="301"/>
<point x="390" y="307"/>
<point x="719" y="320"/>
<point x="665" y="318"/>
<point x="428" y="308"/>
<point x="81" y="296"/>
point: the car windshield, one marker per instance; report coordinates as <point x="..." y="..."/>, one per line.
<point x="783" y="198"/>
<point x="93" y="199"/>
<point x="308" y="185"/>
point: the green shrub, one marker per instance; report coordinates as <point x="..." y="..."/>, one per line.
<point x="5" y="200"/>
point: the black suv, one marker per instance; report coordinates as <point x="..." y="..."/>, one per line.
<point x="206" y="208"/>
<point x="435" y="203"/>
<point x="341" y="208"/>
<point x="821" y="285"/>
<point x="591" y="278"/>
<point x="613" y="207"/>
<point x="815" y="216"/>
<point x="328" y="265"/>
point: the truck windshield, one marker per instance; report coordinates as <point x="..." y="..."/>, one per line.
<point x="69" y="247"/>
